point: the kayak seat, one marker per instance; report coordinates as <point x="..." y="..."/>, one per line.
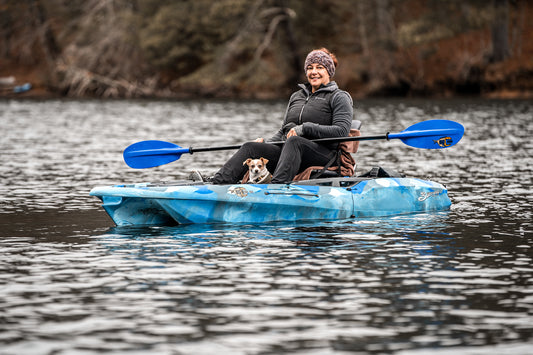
<point x="380" y="172"/>
<point x="341" y="165"/>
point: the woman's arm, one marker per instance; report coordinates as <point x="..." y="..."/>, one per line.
<point x="281" y="135"/>
<point x="341" y="105"/>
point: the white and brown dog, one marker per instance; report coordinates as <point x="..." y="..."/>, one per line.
<point x="257" y="171"/>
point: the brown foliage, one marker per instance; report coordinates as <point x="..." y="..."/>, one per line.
<point x="244" y="48"/>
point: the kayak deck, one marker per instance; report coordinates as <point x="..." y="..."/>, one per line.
<point x="186" y="202"/>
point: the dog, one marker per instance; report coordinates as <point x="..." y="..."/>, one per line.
<point x="257" y="171"/>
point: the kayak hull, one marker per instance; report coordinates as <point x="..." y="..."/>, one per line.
<point x="334" y="199"/>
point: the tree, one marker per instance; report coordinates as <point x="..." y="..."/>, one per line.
<point x="500" y="31"/>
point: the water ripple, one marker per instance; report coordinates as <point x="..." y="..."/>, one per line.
<point x="434" y="283"/>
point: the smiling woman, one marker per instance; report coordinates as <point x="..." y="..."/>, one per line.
<point x="318" y="110"/>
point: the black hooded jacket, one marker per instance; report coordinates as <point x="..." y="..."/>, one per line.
<point x="326" y="113"/>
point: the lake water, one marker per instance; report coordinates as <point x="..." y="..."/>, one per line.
<point x="454" y="282"/>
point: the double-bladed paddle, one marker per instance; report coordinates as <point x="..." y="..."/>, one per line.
<point x="431" y="134"/>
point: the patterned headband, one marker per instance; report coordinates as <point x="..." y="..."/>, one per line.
<point x="320" y="57"/>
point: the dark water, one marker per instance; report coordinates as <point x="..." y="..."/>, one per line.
<point x="456" y="282"/>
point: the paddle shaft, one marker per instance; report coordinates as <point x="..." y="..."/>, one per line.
<point x="179" y="150"/>
<point x="192" y="150"/>
<point x="388" y="136"/>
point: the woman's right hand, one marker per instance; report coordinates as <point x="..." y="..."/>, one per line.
<point x="259" y="140"/>
<point x="292" y="133"/>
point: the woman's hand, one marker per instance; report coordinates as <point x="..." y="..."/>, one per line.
<point x="292" y="133"/>
<point x="259" y="140"/>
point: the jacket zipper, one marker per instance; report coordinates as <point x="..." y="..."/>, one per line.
<point x="302" y="110"/>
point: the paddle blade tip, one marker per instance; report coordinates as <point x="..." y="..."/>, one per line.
<point x="151" y="153"/>
<point x="432" y="134"/>
<point x="451" y="134"/>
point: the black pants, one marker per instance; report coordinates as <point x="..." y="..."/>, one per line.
<point x="296" y="155"/>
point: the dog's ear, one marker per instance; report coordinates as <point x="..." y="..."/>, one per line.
<point x="247" y="161"/>
<point x="264" y="160"/>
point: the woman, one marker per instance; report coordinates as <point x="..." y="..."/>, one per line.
<point x="318" y="110"/>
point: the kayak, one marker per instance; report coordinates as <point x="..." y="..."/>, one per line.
<point x="337" y="198"/>
<point x="374" y="194"/>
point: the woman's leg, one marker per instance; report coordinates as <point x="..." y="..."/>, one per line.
<point x="233" y="170"/>
<point x="297" y="155"/>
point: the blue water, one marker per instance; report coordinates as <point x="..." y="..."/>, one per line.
<point x="459" y="281"/>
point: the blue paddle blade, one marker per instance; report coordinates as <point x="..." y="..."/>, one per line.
<point x="431" y="134"/>
<point x="148" y="154"/>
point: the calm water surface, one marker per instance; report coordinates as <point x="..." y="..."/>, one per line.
<point x="455" y="282"/>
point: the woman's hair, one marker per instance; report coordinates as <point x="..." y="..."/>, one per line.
<point x="333" y="57"/>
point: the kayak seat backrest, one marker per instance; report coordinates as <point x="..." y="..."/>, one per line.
<point x="380" y="172"/>
<point x="342" y="165"/>
<point x="355" y="131"/>
<point x="356" y="124"/>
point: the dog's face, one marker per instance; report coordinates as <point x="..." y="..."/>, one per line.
<point x="256" y="166"/>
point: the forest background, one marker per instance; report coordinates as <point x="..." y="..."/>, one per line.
<point x="255" y="49"/>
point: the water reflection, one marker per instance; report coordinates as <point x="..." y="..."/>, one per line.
<point x="368" y="285"/>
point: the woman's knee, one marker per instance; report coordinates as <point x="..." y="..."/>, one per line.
<point x="295" y="143"/>
<point x="296" y="140"/>
<point x="249" y="148"/>
<point x="257" y="150"/>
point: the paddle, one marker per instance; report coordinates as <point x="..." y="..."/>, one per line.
<point x="431" y="134"/>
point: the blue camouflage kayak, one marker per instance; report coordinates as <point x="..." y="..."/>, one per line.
<point x="376" y="193"/>
<point x="319" y="199"/>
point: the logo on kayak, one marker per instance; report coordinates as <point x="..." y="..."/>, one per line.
<point x="425" y="195"/>
<point x="239" y="191"/>
<point x="444" y="142"/>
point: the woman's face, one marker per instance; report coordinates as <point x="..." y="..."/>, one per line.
<point x="317" y="75"/>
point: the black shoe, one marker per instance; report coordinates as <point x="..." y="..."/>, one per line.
<point x="195" y="175"/>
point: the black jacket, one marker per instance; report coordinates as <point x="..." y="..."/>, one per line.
<point x="326" y="113"/>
